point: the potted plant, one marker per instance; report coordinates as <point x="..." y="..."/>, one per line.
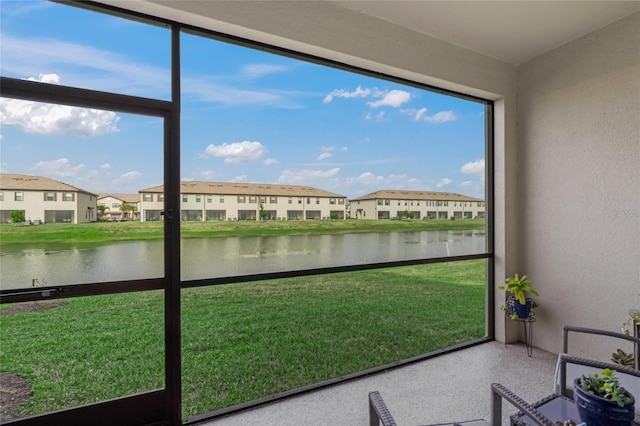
<point x="601" y="400"/>
<point x="518" y="304"/>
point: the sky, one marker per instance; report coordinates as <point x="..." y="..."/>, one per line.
<point x="247" y="115"/>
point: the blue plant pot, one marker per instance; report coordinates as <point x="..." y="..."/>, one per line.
<point x="597" y="411"/>
<point x="515" y="307"/>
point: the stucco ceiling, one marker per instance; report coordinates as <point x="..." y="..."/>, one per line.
<point x="510" y="31"/>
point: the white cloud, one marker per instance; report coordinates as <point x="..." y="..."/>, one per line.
<point x="323" y="156"/>
<point x="421" y="115"/>
<point x="236" y="152"/>
<point x="474" y="168"/>
<point x="207" y="89"/>
<point x="253" y="71"/>
<point x="440" y="117"/>
<point x="36" y="117"/>
<point x="341" y="93"/>
<point x="467" y="184"/>
<point x="129" y="177"/>
<point x="368" y="179"/>
<point x="240" y="178"/>
<point x="443" y="182"/>
<point x="270" y="161"/>
<point x="60" y="168"/>
<point x="393" y="98"/>
<point x="372" y="181"/>
<point x="378" y="118"/>
<point x="105" y="166"/>
<point x="302" y="176"/>
<point x="106" y="70"/>
<point x="416" y="114"/>
<point x="46" y="78"/>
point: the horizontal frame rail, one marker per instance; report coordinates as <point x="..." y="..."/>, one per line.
<point x="328" y="270"/>
<point x="79" y="290"/>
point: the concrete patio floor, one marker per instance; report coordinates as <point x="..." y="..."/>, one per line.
<point x="452" y="387"/>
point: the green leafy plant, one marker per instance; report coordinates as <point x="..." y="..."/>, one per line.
<point x="605" y="385"/>
<point x="519" y="287"/>
<point x="622" y="358"/>
<point x="17" y="217"/>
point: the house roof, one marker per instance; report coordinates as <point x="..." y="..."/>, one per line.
<point x="35" y="183"/>
<point x="231" y="188"/>
<point x="125" y="198"/>
<point x="401" y="194"/>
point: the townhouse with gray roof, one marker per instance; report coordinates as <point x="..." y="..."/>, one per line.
<point x="45" y="200"/>
<point x="398" y="204"/>
<point x="224" y="201"/>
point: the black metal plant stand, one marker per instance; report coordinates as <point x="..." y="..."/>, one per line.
<point x="527" y="324"/>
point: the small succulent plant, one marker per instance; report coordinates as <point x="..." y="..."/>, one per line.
<point x="605" y="385"/>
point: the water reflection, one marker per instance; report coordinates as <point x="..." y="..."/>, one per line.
<point x="217" y="257"/>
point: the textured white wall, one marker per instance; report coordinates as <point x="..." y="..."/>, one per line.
<point x="579" y="181"/>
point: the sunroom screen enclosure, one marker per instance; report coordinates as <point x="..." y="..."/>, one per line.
<point x="273" y="315"/>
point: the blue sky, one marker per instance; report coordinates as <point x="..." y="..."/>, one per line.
<point x="247" y="115"/>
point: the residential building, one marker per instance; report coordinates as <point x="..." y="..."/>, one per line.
<point x="44" y="200"/>
<point x="113" y="206"/>
<point x="203" y="201"/>
<point x="398" y="204"/>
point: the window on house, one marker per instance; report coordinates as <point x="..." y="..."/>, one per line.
<point x="147" y="197"/>
<point x="1" y="195"/>
<point x="115" y="205"/>
<point x="317" y="200"/>
<point x="161" y="197"/>
<point x="50" y="196"/>
<point x="379" y="202"/>
<point x="209" y="198"/>
<point x="185" y="198"/>
<point x="290" y="200"/>
<point x="263" y="200"/>
<point x="222" y="198"/>
<point x="273" y="200"/>
<point x="241" y="199"/>
<point x="68" y="196"/>
<point x="341" y="201"/>
<point x="198" y="198"/>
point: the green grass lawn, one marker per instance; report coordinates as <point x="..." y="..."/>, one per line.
<point x="243" y="341"/>
<point x="99" y="232"/>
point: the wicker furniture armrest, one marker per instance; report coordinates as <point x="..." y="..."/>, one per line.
<point x="378" y="412"/>
<point x="498" y="392"/>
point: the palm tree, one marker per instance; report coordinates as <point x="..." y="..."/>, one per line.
<point x="102" y="208"/>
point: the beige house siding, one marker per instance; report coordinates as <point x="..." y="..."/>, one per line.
<point x="113" y="202"/>
<point x="202" y="201"/>
<point x="390" y="204"/>
<point x="45" y="200"/>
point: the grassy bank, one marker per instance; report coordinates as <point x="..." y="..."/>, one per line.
<point x="243" y="341"/>
<point x="100" y="232"/>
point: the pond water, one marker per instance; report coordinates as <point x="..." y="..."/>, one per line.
<point x="218" y="257"/>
